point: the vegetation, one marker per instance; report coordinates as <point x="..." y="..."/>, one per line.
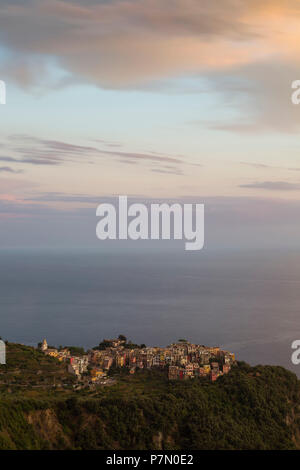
<point x="127" y="345"/>
<point x="75" y="350"/>
<point x="250" y="408"/>
<point x="28" y="370"/>
<point x="131" y="345"/>
<point x="122" y="338"/>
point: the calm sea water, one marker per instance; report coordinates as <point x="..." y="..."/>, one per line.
<point x="247" y="303"/>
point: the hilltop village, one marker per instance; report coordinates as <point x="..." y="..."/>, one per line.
<point x="181" y="360"/>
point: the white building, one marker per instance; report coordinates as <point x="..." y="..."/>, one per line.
<point x="44" y="346"/>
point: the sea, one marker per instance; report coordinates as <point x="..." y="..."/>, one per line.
<point x="247" y="303"/>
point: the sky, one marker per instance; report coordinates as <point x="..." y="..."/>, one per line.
<point x="156" y="100"/>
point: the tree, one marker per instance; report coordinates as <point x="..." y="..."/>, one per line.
<point x="76" y="351"/>
<point x="122" y="338"/>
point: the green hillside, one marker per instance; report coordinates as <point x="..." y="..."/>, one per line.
<point x="28" y="371"/>
<point x="250" y="408"/>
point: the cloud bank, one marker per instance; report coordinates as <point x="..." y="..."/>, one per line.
<point x="244" y="48"/>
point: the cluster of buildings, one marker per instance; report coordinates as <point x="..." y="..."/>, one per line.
<point x="76" y="365"/>
<point x="193" y="360"/>
<point x="182" y="360"/>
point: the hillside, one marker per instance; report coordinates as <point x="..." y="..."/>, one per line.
<point x="250" y="408"/>
<point x="29" y="370"/>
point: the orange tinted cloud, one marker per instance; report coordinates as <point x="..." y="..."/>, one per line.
<point x="124" y="43"/>
<point x="142" y="44"/>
